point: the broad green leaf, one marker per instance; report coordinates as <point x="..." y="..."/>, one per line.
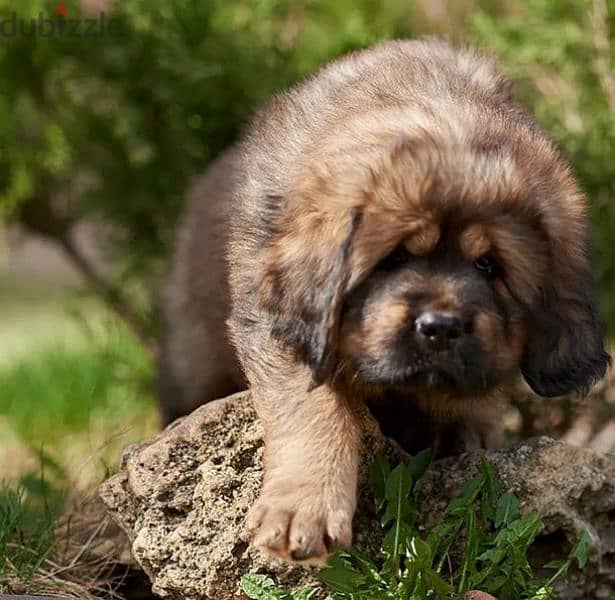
<point x="397" y="490"/>
<point x="507" y="509"/>
<point x="407" y="580"/>
<point x="419" y="551"/>
<point x="396" y="538"/>
<point x="492" y="556"/>
<point x="419" y="592"/>
<point x="405" y="512"/>
<point x="476" y="581"/>
<point x="378" y="473"/>
<point x="261" y="587"/>
<point x="493" y="483"/>
<point x="466" y="496"/>
<point x="525" y="528"/>
<point x="495" y="584"/>
<point x="340" y="575"/>
<point x="580" y="550"/>
<point x="543" y="593"/>
<point x="367" y="566"/>
<point x="420" y="463"/>
<point x="436" y="583"/>
<point x="398" y="485"/>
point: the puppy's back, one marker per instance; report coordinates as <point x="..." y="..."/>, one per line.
<point x="197" y="362"/>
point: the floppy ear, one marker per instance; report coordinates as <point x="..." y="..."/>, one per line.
<point x="565" y="348"/>
<point x="305" y="285"/>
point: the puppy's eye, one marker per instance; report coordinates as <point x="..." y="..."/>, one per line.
<point x="397" y="258"/>
<point x="487" y="266"/>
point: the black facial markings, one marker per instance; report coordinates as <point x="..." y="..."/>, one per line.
<point x="398" y="257"/>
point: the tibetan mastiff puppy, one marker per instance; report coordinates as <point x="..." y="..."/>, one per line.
<point x="394" y="231"/>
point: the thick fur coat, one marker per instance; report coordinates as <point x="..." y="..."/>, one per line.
<point x="394" y="231"/>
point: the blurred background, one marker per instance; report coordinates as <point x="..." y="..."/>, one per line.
<point x="101" y="135"/>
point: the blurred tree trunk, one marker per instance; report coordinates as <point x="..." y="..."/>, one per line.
<point x="55" y="221"/>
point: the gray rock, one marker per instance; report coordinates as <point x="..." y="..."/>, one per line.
<point x="182" y="499"/>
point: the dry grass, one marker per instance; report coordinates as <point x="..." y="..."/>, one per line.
<point x="87" y="557"/>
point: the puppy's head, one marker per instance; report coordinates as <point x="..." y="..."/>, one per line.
<point x="433" y="319"/>
<point x="438" y="262"/>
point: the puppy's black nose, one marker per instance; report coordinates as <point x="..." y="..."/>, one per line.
<point x="438" y="329"/>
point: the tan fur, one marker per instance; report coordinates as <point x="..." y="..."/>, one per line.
<point x="424" y="240"/>
<point x="411" y="144"/>
<point x="308" y="495"/>
<point x="474" y="241"/>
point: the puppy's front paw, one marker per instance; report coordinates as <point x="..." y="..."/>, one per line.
<point x="479" y="435"/>
<point x="299" y="527"/>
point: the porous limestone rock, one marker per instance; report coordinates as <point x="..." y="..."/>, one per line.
<point x="182" y="499"/>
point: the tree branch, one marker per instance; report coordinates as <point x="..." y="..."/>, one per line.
<point x="112" y="295"/>
<point x="56" y="222"/>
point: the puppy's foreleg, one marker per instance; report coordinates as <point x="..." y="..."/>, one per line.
<point x="477" y="427"/>
<point x="480" y="432"/>
<point x="312" y="445"/>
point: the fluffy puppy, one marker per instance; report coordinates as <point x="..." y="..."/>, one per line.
<point x="398" y="233"/>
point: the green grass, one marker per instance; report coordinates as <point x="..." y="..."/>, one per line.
<point x="75" y="388"/>
<point x="36" y="314"/>
<point x="27" y="520"/>
<point x="481" y="544"/>
<point x="74" y="383"/>
<point x="62" y="390"/>
<point x="78" y="402"/>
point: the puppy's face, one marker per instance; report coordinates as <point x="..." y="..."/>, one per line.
<point x="448" y="267"/>
<point x="440" y="318"/>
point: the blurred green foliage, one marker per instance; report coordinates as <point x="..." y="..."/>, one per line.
<point x="116" y="126"/>
<point x="62" y="390"/>
<point x="70" y="403"/>
<point x="562" y="54"/>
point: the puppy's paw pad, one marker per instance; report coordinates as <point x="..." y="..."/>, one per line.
<point x="299" y="530"/>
